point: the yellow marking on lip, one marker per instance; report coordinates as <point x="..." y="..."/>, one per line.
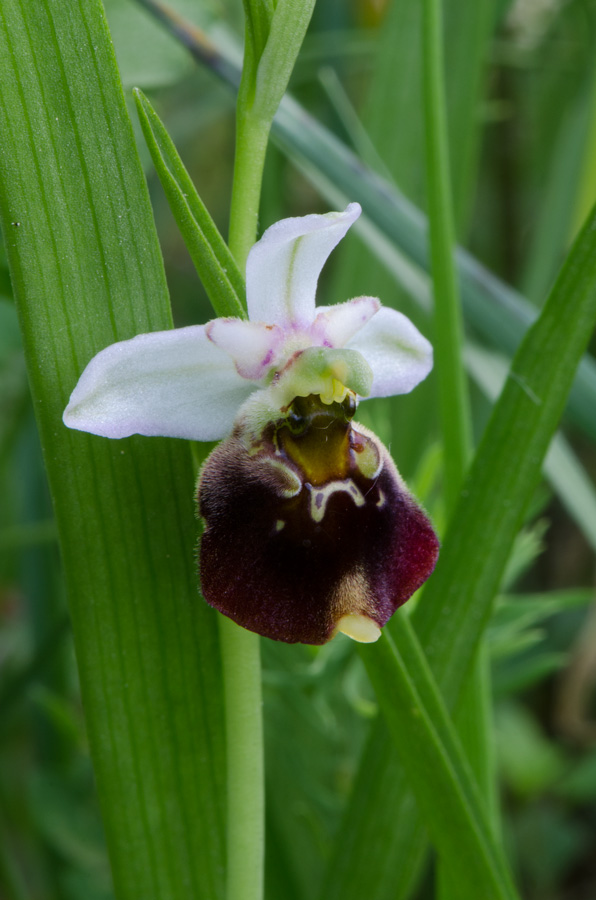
<point x="366" y="456"/>
<point x="359" y="628"/>
<point x="322" y="454"/>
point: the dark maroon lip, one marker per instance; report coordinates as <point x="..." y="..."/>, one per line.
<point x="289" y="564"/>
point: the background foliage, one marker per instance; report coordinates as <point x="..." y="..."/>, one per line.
<point x="521" y="88"/>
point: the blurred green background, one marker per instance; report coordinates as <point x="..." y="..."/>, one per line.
<point x="521" y="81"/>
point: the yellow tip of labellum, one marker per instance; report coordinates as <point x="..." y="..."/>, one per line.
<point x="359" y="628"/>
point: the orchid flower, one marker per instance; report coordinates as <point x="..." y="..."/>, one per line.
<point x="309" y="528"/>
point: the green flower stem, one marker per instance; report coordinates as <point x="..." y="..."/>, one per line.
<point x="252" y="134"/>
<point x="274" y="35"/>
<point x="270" y="56"/>
<point x="245" y="770"/>
<point x="241" y="660"/>
<point x="240" y="649"/>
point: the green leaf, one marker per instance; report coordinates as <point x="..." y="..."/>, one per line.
<point x="456" y="604"/>
<point x="525" y="671"/>
<point x="16" y="682"/>
<point x="215" y="264"/>
<point x="530" y="608"/>
<point x="288" y="28"/>
<point x="454" y="401"/>
<point x="562" y="468"/>
<point x="15" y="401"/>
<point x="513" y="628"/>
<point x="579" y="784"/>
<point x="454" y="408"/>
<point x="562" y="192"/>
<point x="87" y="271"/>
<point x="258" y="15"/>
<point x="427" y="744"/>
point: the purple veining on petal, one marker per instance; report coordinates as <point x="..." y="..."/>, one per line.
<point x="253" y="346"/>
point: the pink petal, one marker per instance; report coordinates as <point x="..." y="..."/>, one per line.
<point x="253" y="346"/>
<point x="335" y="325"/>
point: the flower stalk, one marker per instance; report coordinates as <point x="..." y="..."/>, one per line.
<point x="273" y="37"/>
<point x="241" y="649"/>
<point x="252" y="135"/>
<point x="245" y="830"/>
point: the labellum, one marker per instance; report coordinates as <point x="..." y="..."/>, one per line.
<point x="310" y="529"/>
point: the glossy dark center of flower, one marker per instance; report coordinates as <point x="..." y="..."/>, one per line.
<point x="316" y="437"/>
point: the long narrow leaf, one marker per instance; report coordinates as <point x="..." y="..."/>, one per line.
<point x="427" y="744"/>
<point x="288" y="27"/>
<point x="507" y="465"/>
<point x="457" y="601"/>
<point x="213" y="261"/>
<point x="86" y="270"/>
<point x="564" y="471"/>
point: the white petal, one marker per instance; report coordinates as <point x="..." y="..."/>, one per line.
<point x="283" y="268"/>
<point x="399" y="356"/>
<point x="175" y="383"/>
<point x="335" y="325"/>
<point x="252" y="345"/>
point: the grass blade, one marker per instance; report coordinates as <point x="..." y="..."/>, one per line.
<point x="213" y="261"/>
<point x="87" y="271"/>
<point x="457" y="601"/>
<point x="454" y="401"/>
<point x="562" y="468"/>
<point x="426" y="741"/>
